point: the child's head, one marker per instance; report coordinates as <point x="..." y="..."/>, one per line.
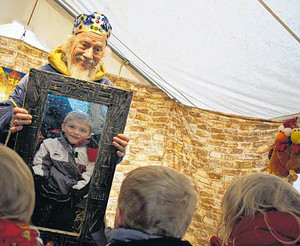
<point x="17" y="195"/>
<point x="156" y="200"/>
<point x="256" y="193"/>
<point x="77" y="126"/>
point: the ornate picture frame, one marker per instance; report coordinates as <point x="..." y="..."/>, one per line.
<point x="44" y="83"/>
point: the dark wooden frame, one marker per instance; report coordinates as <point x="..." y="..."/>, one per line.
<point x="42" y="83"/>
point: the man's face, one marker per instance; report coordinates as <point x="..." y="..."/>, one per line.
<point x="76" y="131"/>
<point x="87" y="50"/>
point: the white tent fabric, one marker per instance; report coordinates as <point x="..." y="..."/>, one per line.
<point x="229" y="56"/>
<point x="15" y="29"/>
<point x="50" y="24"/>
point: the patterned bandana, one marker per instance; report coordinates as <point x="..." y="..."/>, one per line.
<point x="95" y="22"/>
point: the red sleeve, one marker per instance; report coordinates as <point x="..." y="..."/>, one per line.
<point x="214" y="241"/>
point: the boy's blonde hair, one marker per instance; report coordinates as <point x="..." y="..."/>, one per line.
<point x="256" y="193"/>
<point x="17" y="196"/>
<point x="157" y="200"/>
<point x="80" y="116"/>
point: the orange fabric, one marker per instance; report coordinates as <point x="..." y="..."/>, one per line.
<point x="281" y="137"/>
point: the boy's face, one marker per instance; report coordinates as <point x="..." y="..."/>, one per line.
<point x="76" y="131"/>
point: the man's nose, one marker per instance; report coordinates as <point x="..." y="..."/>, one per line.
<point x="88" y="53"/>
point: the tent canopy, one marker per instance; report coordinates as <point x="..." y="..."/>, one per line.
<point x="230" y="56"/>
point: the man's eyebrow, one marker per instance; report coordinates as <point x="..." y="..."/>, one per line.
<point x="99" y="43"/>
<point x="84" y="40"/>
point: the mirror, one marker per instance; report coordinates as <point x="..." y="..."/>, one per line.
<point x="57" y="108"/>
<point x="48" y="99"/>
<point x="64" y="160"/>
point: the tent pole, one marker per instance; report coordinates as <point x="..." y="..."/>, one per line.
<point x="28" y="22"/>
<point x="280" y="21"/>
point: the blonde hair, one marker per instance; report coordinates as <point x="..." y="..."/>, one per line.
<point x="157" y="200"/>
<point x="256" y="193"/>
<point x="17" y="196"/>
<point x="79" y="116"/>
<point x="66" y="49"/>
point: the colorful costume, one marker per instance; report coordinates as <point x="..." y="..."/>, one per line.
<point x="284" y="155"/>
<point x="254" y="231"/>
<point x="18" y="233"/>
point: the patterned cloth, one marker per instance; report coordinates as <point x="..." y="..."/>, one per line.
<point x="95" y="22"/>
<point x="16" y="233"/>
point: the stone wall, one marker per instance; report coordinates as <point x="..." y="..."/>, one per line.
<point x="18" y="55"/>
<point x="211" y="148"/>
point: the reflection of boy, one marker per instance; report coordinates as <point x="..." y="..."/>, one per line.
<point x="67" y="162"/>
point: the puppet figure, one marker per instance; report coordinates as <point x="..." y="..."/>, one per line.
<point x="280" y="153"/>
<point x="293" y="164"/>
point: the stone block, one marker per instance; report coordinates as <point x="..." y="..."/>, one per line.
<point x="216" y="155"/>
<point x="154" y="158"/>
<point x="157" y="137"/>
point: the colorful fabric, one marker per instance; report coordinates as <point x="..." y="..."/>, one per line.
<point x="254" y="231"/>
<point x="290" y="123"/>
<point x="18" y="234"/>
<point x="284" y="158"/>
<point x="281" y="146"/>
<point x="8" y="79"/>
<point x="296" y="148"/>
<point x="95" y="22"/>
<point x="277" y="164"/>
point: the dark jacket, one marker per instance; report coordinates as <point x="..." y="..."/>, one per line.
<point x="164" y="241"/>
<point x="63" y="165"/>
<point x="127" y="236"/>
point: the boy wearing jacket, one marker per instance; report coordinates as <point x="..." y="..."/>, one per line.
<point x="63" y="166"/>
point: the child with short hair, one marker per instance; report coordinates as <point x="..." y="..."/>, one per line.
<point x="155" y="207"/>
<point x="63" y="167"/>
<point x="16" y="201"/>
<point x="259" y="209"/>
<point x="66" y="161"/>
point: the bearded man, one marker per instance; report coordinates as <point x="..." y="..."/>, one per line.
<point x="80" y="57"/>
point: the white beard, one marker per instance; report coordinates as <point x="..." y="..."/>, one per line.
<point x="77" y="73"/>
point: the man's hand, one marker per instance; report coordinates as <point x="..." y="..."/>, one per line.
<point x="20" y="117"/>
<point x="120" y="142"/>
